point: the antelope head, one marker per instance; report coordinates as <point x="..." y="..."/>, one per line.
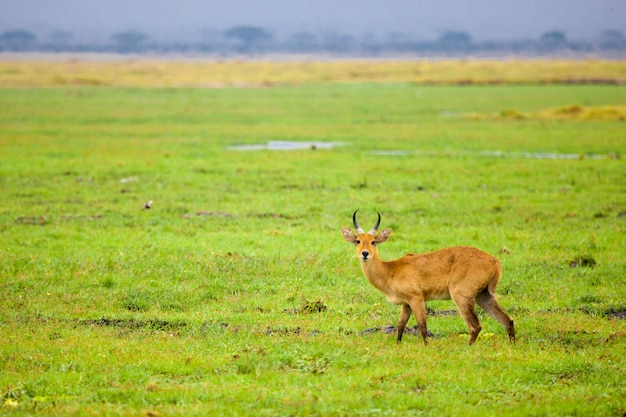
<point x="365" y="242"/>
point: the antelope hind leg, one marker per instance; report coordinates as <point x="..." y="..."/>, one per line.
<point x="466" y="308"/>
<point x="488" y="302"/>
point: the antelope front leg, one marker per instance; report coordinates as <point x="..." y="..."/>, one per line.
<point x="419" y="310"/>
<point x="405" y="313"/>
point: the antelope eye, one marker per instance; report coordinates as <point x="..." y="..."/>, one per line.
<point x="358" y="242"/>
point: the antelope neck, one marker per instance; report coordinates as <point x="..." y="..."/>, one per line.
<point x="375" y="270"/>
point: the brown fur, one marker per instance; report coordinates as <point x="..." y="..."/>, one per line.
<point x="466" y="275"/>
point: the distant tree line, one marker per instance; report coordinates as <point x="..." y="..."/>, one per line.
<point x="249" y="39"/>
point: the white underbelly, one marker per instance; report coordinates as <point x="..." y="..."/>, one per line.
<point x="443" y="295"/>
<point x="395" y="300"/>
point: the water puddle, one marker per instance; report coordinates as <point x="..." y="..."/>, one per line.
<point x="285" y="146"/>
<point x="292" y="146"/>
<point x="542" y="155"/>
<point x="494" y="154"/>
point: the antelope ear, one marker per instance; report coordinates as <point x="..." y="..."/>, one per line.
<point x="383" y="236"/>
<point x="348" y="235"/>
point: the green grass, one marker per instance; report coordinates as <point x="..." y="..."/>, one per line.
<point x="235" y="294"/>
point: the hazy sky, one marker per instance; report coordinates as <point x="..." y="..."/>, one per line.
<point x="424" y="19"/>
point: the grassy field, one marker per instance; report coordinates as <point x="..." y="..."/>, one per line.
<point x="235" y="294"/>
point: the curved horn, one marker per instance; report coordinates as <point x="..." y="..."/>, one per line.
<point x="359" y="231"/>
<point x="375" y="228"/>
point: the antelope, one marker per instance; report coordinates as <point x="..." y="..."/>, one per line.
<point x="464" y="274"/>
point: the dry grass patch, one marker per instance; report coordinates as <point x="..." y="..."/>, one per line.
<point x="248" y="73"/>
<point x="568" y="112"/>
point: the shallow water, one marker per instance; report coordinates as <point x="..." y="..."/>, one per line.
<point x="291" y="145"/>
<point x="285" y="146"/>
<point x="494" y="154"/>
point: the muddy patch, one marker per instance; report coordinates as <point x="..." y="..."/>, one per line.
<point x="415" y="330"/>
<point x="132" y="324"/>
<point x="308" y="307"/>
<point x="207" y="213"/>
<point x="584" y="261"/>
<point x="431" y="312"/>
<point x="617" y="314"/>
<point x="274" y="216"/>
<point x="290" y="331"/>
<point x="70" y="217"/>
<point x="32" y="220"/>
